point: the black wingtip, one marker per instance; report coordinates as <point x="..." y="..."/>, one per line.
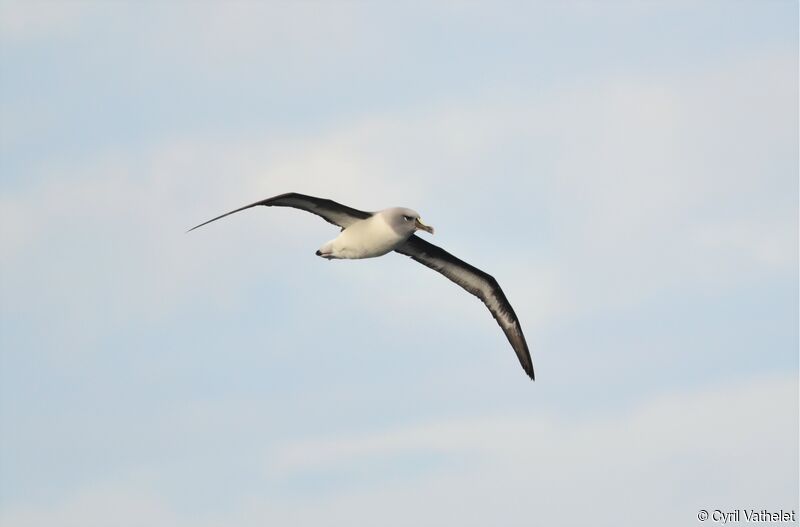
<point x="262" y="202"/>
<point x="528" y="369"/>
<point x="198" y="226"/>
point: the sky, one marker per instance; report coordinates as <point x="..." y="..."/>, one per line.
<point x="628" y="172"/>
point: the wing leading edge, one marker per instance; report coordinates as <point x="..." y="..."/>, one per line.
<point x="478" y="283"/>
<point x="327" y="209"/>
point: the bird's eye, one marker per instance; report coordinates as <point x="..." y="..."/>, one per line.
<point x="407" y="218"/>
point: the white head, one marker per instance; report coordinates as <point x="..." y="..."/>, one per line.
<point x="405" y="221"/>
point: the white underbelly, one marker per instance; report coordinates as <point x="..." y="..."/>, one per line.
<point x="366" y="239"/>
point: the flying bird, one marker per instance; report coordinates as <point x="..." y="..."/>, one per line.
<point x="371" y="234"/>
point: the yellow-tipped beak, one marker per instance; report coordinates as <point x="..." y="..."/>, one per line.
<point x="422" y="226"/>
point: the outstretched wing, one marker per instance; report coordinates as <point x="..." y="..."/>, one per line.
<point x="326" y="209"/>
<point x="479" y="284"/>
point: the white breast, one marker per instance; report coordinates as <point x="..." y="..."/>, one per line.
<point x="365" y="239"/>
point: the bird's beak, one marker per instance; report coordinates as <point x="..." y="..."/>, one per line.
<point x="420" y="225"/>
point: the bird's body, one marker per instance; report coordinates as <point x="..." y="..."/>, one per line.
<point x="371" y="234"/>
<point x="369" y="238"/>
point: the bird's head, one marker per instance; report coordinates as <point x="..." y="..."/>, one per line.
<point x="405" y="221"/>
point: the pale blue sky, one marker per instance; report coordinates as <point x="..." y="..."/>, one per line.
<point x="628" y="171"/>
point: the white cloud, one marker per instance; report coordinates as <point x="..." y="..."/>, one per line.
<point x="581" y="199"/>
<point x="122" y="506"/>
<point x="731" y="445"/>
<point x="768" y="244"/>
<point x="632" y="181"/>
<point x="37" y="19"/>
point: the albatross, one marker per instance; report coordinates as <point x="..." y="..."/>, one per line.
<point x="372" y="234"/>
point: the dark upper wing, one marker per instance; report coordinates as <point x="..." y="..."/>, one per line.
<point x="326" y="209"/>
<point x="479" y="284"/>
